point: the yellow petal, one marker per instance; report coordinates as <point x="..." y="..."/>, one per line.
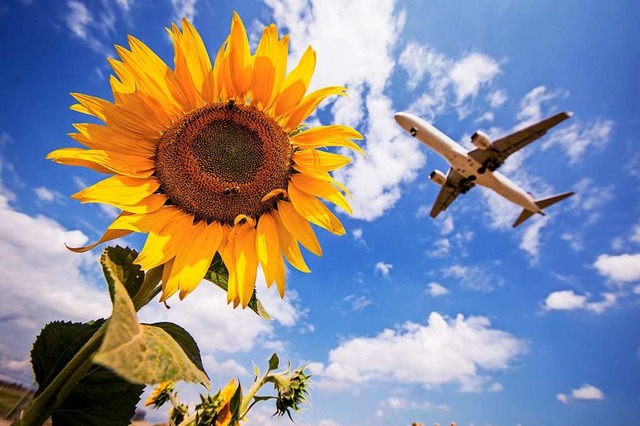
<point x="264" y="69"/>
<point x="322" y="189"/>
<point x="195" y="260"/>
<point x="96" y="136"/>
<point x="109" y="234"/>
<point x="146" y="222"/>
<point x="246" y="262"/>
<point x="122" y="190"/>
<point x="168" y="288"/>
<point x="240" y="60"/>
<point x="289" y="245"/>
<point x="228" y="254"/>
<point x="314" y="211"/>
<point x="268" y="247"/>
<point x="280" y="276"/>
<point x="299" y="227"/>
<point x="280" y="54"/>
<point x="304" y="109"/>
<point x="105" y="161"/>
<point x="165" y="242"/>
<point x="319" y="160"/>
<point x="296" y="83"/>
<point x="324" y="136"/>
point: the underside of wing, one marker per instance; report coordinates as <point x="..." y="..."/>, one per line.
<point x="455" y="185"/>
<point x="498" y="151"/>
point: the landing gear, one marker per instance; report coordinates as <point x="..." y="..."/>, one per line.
<point x="490" y="164"/>
<point x="413" y="131"/>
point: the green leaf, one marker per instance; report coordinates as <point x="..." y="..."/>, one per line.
<point x="186" y="342"/>
<point x="234" y="406"/>
<point x="219" y="275"/>
<point x="117" y="265"/>
<point x="144" y="353"/>
<point x="256" y="371"/>
<point x="274" y="362"/>
<point x="101" y="397"/>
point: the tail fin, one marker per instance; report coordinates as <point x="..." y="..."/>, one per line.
<point x="543" y="204"/>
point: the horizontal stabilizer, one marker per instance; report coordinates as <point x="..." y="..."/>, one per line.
<point x="543" y="203"/>
<point x="549" y="201"/>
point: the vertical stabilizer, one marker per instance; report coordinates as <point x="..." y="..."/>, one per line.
<point x="543" y="203"/>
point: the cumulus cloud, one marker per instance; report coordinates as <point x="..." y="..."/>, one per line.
<point x="47" y="195"/>
<point x="383" y="268"/>
<point x="451" y="82"/>
<point x="445" y="350"/>
<point x="531" y="105"/>
<point x="586" y="392"/>
<point x="45" y="282"/>
<point x="436" y="290"/>
<point x="473" y="277"/>
<point x="354" y="43"/>
<point x="568" y="300"/>
<point x="399" y="404"/>
<point x="440" y="248"/>
<point x="497" y="98"/>
<point x="357" y="303"/>
<point x="622" y="268"/>
<point x="580" y="138"/>
<point x="635" y="237"/>
<point x="530" y="241"/>
<point x="184" y="9"/>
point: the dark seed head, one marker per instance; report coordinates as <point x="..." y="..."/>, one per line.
<point x="221" y="150"/>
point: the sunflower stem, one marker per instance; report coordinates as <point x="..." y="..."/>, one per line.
<point x="52" y="395"/>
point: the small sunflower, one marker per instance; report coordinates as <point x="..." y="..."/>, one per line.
<point x="210" y="159"/>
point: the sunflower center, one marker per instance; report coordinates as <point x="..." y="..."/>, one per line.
<point x="219" y="161"/>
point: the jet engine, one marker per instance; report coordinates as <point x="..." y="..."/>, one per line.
<point x="438" y="177"/>
<point x="481" y="140"/>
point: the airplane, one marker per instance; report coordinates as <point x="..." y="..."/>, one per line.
<point x="478" y="167"/>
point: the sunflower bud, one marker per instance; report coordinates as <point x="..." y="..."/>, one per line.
<point x="160" y="395"/>
<point x="292" y="390"/>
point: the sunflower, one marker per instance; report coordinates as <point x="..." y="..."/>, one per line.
<point x="210" y="159"/>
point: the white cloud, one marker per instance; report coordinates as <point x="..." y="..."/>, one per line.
<point x="451" y="82"/>
<point x="216" y="326"/>
<point x="398" y="404"/>
<point x="497" y="98"/>
<point x="472" y="72"/>
<point x="622" y="268"/>
<point x="487" y="116"/>
<point x="496" y="387"/>
<point x="357" y="235"/>
<point x="354" y="42"/>
<point x="357" y="303"/>
<point x="531" y="104"/>
<point x="47" y="195"/>
<point x="531" y="239"/>
<point x="125" y="5"/>
<point x="436" y="290"/>
<point x="383" y="268"/>
<point x="635" y="237"/>
<point x="46" y="281"/>
<point x="184" y="9"/>
<point x="636" y="289"/>
<point x="586" y="392"/>
<point x="580" y="138"/>
<point x="80" y="20"/>
<point x="445" y="350"/>
<point x="472" y="277"/>
<point x="441" y="248"/>
<point x="568" y="300"/>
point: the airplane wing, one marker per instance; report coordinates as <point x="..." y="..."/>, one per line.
<point x="455" y="185"/>
<point x="497" y="153"/>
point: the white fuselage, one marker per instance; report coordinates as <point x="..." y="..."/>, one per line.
<point x="458" y="157"/>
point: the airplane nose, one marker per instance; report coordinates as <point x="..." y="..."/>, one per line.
<point x="401" y="118"/>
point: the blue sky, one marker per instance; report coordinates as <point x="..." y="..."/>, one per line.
<point x="404" y="318"/>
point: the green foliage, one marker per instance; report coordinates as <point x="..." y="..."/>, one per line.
<point x="274" y="362"/>
<point x="117" y="265"/>
<point x="147" y="353"/>
<point x="219" y="275"/>
<point x="186" y="342"/>
<point x="100" y="397"/>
